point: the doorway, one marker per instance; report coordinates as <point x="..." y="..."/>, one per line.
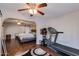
<point x="18" y="34"/>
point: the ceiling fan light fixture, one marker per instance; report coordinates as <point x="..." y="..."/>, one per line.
<point x="19" y="23"/>
<point x="32" y="11"/>
<point x="33" y="8"/>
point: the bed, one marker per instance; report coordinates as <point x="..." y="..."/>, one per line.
<point x="26" y="37"/>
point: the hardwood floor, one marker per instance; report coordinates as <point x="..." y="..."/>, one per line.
<point x="14" y="46"/>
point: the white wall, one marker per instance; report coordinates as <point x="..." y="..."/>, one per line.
<point x="0" y="35"/>
<point x="69" y="24"/>
<point x="14" y="29"/>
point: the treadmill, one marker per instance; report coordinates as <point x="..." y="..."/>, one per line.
<point x="61" y="49"/>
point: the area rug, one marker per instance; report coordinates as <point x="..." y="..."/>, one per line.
<point x="34" y="52"/>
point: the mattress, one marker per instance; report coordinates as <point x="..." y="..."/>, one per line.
<point x="25" y="37"/>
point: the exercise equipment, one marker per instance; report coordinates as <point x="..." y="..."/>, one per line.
<point x="53" y="31"/>
<point x="61" y="49"/>
<point x="43" y="33"/>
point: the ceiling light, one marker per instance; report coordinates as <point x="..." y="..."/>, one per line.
<point x="32" y="11"/>
<point x="18" y="23"/>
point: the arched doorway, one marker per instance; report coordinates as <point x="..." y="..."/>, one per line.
<point x="18" y="31"/>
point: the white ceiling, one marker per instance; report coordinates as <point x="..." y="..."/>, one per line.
<point x="53" y="10"/>
<point x="10" y="21"/>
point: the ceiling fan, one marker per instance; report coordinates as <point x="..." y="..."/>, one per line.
<point x="33" y="8"/>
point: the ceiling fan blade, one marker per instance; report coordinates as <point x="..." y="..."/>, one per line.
<point x="40" y="12"/>
<point x="29" y="4"/>
<point x="42" y="5"/>
<point x="22" y="9"/>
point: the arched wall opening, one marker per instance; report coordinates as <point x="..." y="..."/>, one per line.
<point x="15" y="26"/>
